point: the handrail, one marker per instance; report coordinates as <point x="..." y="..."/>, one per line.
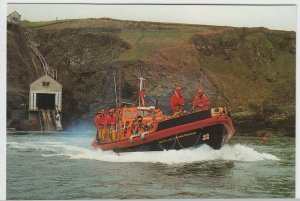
<point x="41" y="126"/>
<point x="47" y="69"/>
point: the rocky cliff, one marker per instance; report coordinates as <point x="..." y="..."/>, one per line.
<point x="250" y="70"/>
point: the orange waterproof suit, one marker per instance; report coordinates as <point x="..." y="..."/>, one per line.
<point x="100" y="122"/>
<point x="176" y="102"/>
<point x="201" y="102"/>
<point x="111" y="120"/>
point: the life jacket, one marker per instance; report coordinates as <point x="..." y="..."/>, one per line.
<point x="176" y="102"/>
<point x="201" y="103"/>
<point x="112" y="120"/>
<point x="100" y="121"/>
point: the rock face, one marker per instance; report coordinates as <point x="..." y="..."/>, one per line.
<point x="250" y="70"/>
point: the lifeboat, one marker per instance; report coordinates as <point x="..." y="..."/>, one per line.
<point x="146" y="128"/>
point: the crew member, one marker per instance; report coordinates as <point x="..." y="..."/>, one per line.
<point x="100" y="121"/>
<point x="177" y="100"/>
<point x="138" y="126"/>
<point x="111" y="121"/>
<point x="200" y="102"/>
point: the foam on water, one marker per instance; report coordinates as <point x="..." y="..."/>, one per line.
<point x="29" y="146"/>
<point x="235" y="152"/>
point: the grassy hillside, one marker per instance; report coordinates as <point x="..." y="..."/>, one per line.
<point x="251" y="69"/>
<point x="256" y="69"/>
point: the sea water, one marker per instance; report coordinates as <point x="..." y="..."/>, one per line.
<point x="65" y="166"/>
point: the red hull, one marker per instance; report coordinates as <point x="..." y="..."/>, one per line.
<point x="170" y="132"/>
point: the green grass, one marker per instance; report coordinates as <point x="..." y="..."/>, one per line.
<point x="40" y="24"/>
<point x="146" y="42"/>
<point x="144" y="37"/>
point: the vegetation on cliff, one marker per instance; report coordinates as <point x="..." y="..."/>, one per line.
<point x="251" y="69"/>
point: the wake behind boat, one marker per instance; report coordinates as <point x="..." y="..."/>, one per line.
<point x="146" y="128"/>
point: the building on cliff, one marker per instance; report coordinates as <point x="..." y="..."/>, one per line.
<point x="14" y="17"/>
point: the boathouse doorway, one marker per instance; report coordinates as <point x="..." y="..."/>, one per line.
<point x="45" y="94"/>
<point x="45" y="101"/>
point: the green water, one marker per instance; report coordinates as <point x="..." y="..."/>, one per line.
<point x="64" y="166"/>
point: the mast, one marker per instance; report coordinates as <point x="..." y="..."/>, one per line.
<point x="114" y="74"/>
<point x="119" y="83"/>
<point x="141" y="92"/>
<point x="141" y="80"/>
<point x="115" y="89"/>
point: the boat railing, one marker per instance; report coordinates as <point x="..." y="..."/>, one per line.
<point x="133" y="136"/>
<point x="141" y="135"/>
<point x="118" y="129"/>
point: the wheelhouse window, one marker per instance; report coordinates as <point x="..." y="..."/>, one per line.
<point x="128" y="114"/>
<point x="120" y="116"/>
<point x="140" y="113"/>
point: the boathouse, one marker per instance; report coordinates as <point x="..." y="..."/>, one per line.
<point x="45" y="94"/>
<point x="14" y="17"/>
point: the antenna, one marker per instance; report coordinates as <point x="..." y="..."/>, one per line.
<point x="115" y="89"/>
<point x="114" y="74"/>
<point x="112" y="52"/>
<point x="141" y="79"/>
<point x="141" y="92"/>
<point x="141" y="67"/>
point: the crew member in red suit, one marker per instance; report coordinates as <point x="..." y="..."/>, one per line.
<point x="111" y="121"/>
<point x="177" y="100"/>
<point x="200" y="102"/>
<point x="100" y="121"/>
